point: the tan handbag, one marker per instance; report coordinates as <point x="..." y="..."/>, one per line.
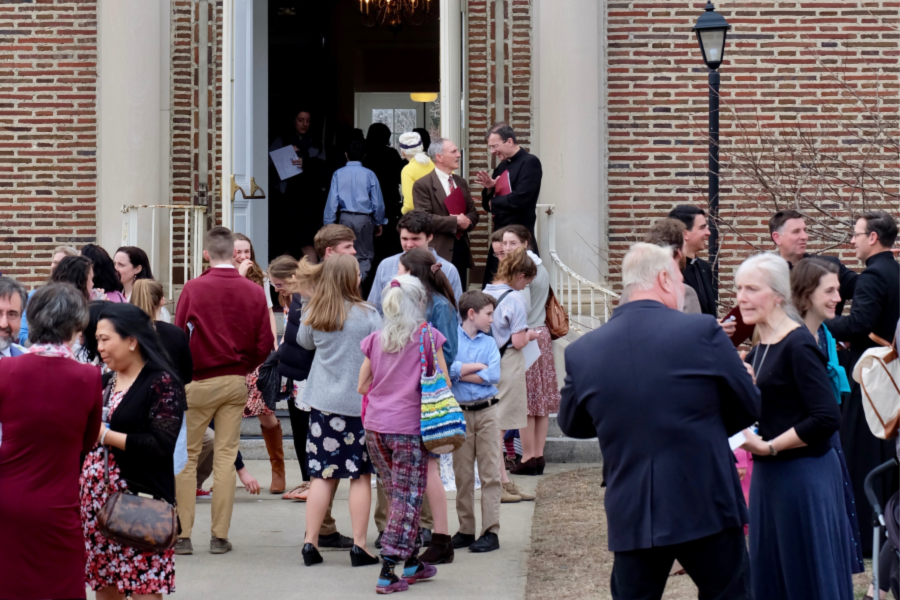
<point x="135" y="520"/>
<point x="557" y="319"/>
<point x="878" y="374"/>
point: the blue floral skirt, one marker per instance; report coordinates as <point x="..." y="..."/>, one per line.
<point x="336" y="447"/>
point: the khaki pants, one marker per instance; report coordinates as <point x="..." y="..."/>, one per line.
<point x="426" y="520"/>
<point x="223" y="399"/>
<point x="482" y="433"/>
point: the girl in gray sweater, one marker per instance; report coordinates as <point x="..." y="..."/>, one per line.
<point x="333" y="324"/>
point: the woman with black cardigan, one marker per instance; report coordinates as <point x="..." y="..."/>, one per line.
<point x="800" y="540"/>
<point x="145" y="403"/>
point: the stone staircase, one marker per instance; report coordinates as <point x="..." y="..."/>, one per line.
<point x="559" y="448"/>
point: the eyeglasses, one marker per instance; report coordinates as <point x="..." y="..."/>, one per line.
<point x="11" y="315"/>
<point x="856" y="233"/>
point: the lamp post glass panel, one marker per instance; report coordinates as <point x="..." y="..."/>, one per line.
<point x="711" y="30"/>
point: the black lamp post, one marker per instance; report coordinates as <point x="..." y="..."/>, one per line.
<point x="711" y="29"/>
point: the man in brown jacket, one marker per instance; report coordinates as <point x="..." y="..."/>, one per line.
<point x="451" y="231"/>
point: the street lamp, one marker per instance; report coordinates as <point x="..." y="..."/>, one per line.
<point x="711" y="30"/>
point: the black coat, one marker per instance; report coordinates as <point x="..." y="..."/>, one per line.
<point x="177" y="345"/>
<point x="518" y="207"/>
<point x="875" y="309"/>
<point x="662" y="391"/>
<point x="294" y="361"/>
<point x="150" y="414"/>
<point x="698" y="274"/>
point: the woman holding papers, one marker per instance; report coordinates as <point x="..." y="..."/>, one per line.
<point x="799" y="536"/>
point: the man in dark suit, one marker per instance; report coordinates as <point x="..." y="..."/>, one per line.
<point x="875" y="309"/>
<point x="451" y="232"/>
<point x="662" y="391"/>
<point x="519" y="206"/>
<point x="788" y="231"/>
<point x="697" y="272"/>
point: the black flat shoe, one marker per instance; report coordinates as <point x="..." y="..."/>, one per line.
<point x="311" y="556"/>
<point x="486" y="543"/>
<point x="462" y="540"/>
<point x="335" y="540"/>
<point x="541" y="463"/>
<point x="361" y="558"/>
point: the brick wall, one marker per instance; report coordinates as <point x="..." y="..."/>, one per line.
<point x="48" y="132"/>
<point x="482" y="82"/>
<point x="775" y="76"/>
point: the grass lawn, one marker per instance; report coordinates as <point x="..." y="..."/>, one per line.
<point x="569" y="557"/>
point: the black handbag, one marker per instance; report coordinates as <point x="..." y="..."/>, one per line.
<point x="269" y="382"/>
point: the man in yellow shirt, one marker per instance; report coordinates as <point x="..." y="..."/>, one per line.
<point x="419" y="166"/>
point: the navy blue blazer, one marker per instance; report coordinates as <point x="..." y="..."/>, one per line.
<point x="662" y="391"/>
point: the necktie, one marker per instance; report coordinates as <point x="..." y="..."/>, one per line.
<point x="452" y="183"/>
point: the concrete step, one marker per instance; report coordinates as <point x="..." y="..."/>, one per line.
<point x="559" y="448"/>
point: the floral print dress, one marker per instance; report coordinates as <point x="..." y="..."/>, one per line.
<point x="336" y="447"/>
<point x="110" y="563"/>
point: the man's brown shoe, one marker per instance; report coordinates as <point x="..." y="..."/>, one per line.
<point x="219" y="546"/>
<point x="184" y="546"/>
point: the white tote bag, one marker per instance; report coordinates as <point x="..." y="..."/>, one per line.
<point x="878" y="374"/>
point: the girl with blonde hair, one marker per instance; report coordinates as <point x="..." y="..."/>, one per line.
<point x="391" y="377"/>
<point x="334" y="323"/>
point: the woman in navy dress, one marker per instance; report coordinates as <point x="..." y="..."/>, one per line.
<point x="800" y="540"/>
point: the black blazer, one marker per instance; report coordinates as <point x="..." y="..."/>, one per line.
<point x="875" y="308"/>
<point x="519" y="207"/>
<point x="150" y="414"/>
<point x="662" y="391"/>
<point x="698" y="274"/>
<point x="294" y="361"/>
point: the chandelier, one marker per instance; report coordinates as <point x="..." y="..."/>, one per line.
<point x="394" y="13"/>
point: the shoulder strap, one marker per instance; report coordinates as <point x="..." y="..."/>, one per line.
<point x="505" y="344"/>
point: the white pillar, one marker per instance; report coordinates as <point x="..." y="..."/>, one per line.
<point x="133" y="113"/>
<point x="451" y="69"/>
<point x="571" y="127"/>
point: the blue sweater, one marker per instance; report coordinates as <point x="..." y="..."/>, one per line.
<point x="442" y="316"/>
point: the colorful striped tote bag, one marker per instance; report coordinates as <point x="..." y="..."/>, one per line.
<point x="443" y="423"/>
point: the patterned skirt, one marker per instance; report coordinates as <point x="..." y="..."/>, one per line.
<point x="336" y="447"/>
<point x="255" y="404"/>
<point x="540" y="379"/>
<point x="109" y="563"/>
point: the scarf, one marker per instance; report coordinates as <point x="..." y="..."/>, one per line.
<point x="54" y="350"/>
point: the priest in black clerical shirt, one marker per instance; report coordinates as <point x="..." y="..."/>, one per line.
<point x="519" y="206"/>
<point x="697" y="272"/>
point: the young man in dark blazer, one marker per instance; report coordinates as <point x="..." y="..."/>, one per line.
<point x="662" y="391"/>
<point x="697" y="272"/>
<point x="451" y="232"/>
<point x="875" y="309"/>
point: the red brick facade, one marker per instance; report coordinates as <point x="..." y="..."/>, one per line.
<point x="658" y="103"/>
<point x="48" y="132"/>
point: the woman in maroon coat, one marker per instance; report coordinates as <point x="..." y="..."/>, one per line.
<point x="50" y="413"/>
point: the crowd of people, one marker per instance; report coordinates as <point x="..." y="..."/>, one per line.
<point x="154" y="404"/>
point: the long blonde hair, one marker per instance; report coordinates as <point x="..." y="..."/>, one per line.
<point x="284" y="268"/>
<point x="403" y="304"/>
<point x="336" y="282"/>
<point x="147" y="295"/>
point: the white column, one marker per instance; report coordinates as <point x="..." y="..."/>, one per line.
<point x="451" y="69"/>
<point x="572" y="139"/>
<point x="133" y="113"/>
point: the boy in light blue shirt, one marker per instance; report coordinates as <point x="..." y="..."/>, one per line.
<point x="474" y="376"/>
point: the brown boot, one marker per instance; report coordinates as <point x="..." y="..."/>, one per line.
<point x="274" y="447"/>
<point x="440" y="552"/>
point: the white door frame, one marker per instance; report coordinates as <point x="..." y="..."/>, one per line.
<point x="245" y="102"/>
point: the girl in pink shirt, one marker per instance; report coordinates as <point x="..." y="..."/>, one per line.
<point x="390" y="376"/>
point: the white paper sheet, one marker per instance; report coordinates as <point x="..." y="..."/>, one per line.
<point x="532" y="353"/>
<point x="282" y="159"/>
<point x="737" y="440"/>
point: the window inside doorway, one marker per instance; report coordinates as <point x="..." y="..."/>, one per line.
<point x="399" y="120"/>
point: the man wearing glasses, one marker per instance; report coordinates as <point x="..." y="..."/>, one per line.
<point x="875" y="309"/>
<point x="515" y="203"/>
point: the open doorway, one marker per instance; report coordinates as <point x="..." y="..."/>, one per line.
<point x="324" y="63"/>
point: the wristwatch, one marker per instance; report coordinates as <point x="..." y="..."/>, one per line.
<point x="772" y="450"/>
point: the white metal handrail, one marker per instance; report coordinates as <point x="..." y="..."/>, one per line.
<point x="191" y="243"/>
<point x="563" y="277"/>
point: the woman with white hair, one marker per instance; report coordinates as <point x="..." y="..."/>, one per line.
<point x="419" y="166"/>
<point x="799" y="535"/>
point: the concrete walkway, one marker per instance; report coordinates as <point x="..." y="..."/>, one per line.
<point x="267" y="533"/>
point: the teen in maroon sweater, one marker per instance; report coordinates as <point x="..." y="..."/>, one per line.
<point x="226" y="318"/>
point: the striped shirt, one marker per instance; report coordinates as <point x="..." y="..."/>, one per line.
<point x="510" y="316"/>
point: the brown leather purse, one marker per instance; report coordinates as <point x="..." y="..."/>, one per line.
<point x="557" y="319"/>
<point x="135" y="520"/>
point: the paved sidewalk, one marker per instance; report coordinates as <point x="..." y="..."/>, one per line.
<point x="267" y="533"/>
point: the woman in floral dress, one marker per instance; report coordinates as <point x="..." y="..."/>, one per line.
<point x="146" y="403"/>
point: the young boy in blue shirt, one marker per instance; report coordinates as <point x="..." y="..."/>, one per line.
<point x="474" y="375"/>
